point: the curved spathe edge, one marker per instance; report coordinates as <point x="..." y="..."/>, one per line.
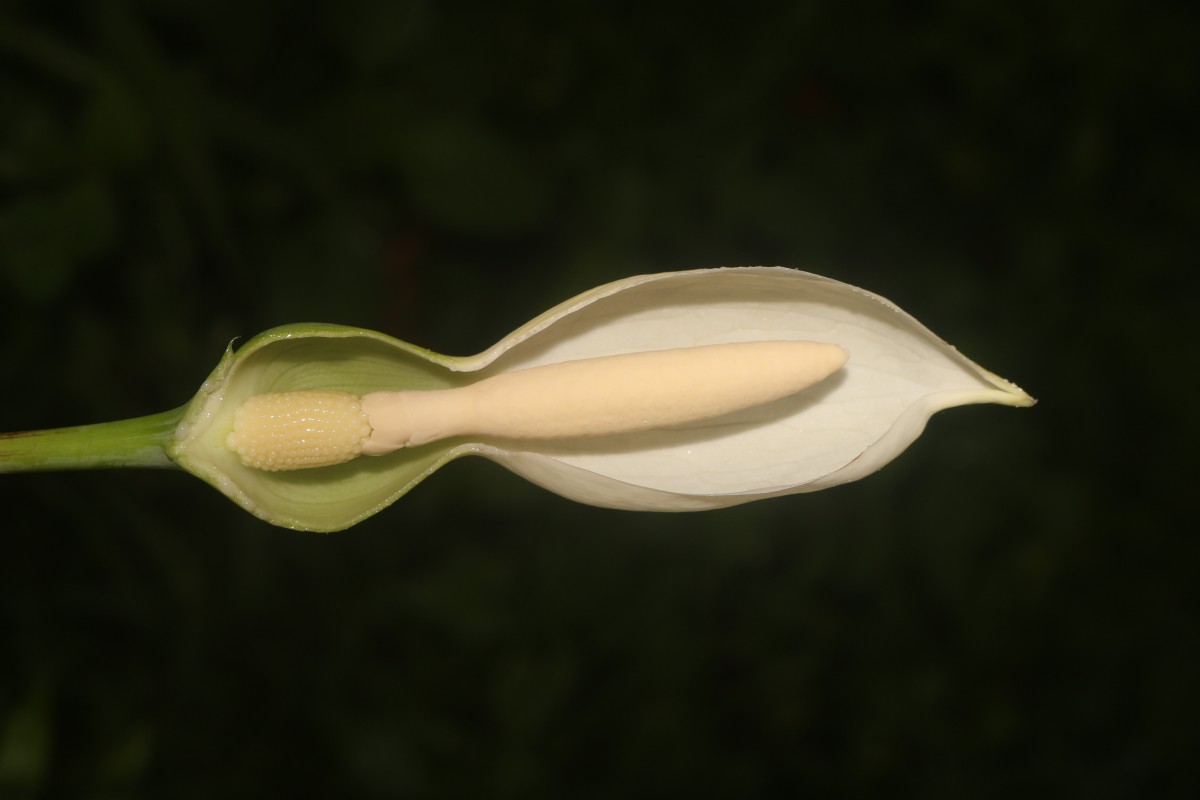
<point x="598" y="489"/>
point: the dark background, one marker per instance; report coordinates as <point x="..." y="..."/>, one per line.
<point x="1007" y="609"/>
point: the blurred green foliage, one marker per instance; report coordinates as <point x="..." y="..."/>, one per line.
<point x="1008" y="609"/>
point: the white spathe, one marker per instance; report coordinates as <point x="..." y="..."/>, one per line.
<point x="898" y="375"/>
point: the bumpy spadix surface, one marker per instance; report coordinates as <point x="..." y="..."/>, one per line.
<point x="298" y="430"/>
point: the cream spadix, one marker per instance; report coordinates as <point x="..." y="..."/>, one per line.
<point x="589" y="397"/>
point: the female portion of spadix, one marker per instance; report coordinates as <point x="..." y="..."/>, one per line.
<point x="572" y="399"/>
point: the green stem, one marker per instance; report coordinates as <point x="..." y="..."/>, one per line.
<point x="139" y="442"/>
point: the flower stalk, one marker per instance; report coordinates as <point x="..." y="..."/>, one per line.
<point x="139" y="442"/>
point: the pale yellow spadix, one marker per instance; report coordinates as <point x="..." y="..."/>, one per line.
<point x="298" y="430"/>
<point x="572" y="399"/>
<point x="602" y="396"/>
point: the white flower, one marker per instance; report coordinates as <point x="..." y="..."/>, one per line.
<point x="847" y="426"/>
<point x="899" y="374"/>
